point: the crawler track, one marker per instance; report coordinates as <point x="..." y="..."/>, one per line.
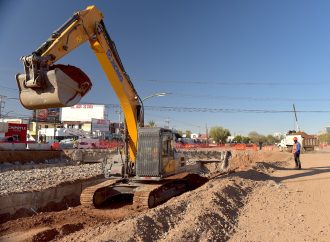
<point x="151" y="195"/>
<point x="94" y="196"/>
<point x="146" y="195"/>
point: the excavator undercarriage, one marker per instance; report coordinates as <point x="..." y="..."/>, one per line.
<point x="160" y="173"/>
<point x="145" y="194"/>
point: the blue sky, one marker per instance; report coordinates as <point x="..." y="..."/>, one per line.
<point x="263" y="55"/>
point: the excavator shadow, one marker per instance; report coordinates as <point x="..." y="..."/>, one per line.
<point x="147" y="195"/>
<point x="118" y="201"/>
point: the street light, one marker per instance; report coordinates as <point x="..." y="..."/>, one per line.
<point x="157" y="94"/>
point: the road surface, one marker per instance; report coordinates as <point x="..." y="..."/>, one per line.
<point x="293" y="206"/>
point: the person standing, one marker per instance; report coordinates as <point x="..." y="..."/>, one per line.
<point x="296" y="152"/>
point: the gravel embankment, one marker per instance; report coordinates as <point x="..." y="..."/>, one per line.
<point x="15" y="181"/>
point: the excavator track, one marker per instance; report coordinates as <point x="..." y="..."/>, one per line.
<point x="142" y="198"/>
<point x="151" y="195"/>
<point x="146" y="195"/>
<point x="94" y="196"/>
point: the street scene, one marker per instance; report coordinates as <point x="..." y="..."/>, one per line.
<point x="164" y="121"/>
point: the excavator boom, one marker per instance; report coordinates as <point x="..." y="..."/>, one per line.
<point x="153" y="170"/>
<point x="46" y="85"/>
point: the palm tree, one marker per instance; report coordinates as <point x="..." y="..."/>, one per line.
<point x="151" y="123"/>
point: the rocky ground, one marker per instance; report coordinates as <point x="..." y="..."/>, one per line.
<point x="210" y="212"/>
<point x="36" y="177"/>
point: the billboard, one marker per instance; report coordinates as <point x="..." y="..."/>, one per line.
<point x="18" y="131"/>
<point x="100" y="125"/>
<point x="83" y="112"/>
<point x="47" y="115"/>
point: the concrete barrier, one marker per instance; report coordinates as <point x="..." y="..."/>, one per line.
<point x="24" y="204"/>
<point x="12" y="146"/>
<point x="25" y="156"/>
<point x="38" y="146"/>
<point x="89" y="155"/>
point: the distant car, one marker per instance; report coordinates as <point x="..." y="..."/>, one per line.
<point x="67" y="141"/>
<point x="9" y="139"/>
<point x="86" y="144"/>
<point x="54" y="144"/>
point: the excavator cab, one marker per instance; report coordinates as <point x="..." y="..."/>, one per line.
<point x="44" y="86"/>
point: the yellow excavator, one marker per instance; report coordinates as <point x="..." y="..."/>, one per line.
<point x="150" y="169"/>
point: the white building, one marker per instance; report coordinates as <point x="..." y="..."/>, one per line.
<point x="87" y="117"/>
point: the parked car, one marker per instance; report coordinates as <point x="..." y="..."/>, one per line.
<point x="54" y="144"/>
<point x="86" y="143"/>
<point x="9" y="139"/>
<point x="67" y="143"/>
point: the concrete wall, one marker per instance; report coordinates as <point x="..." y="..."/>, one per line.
<point x="12" y="146"/>
<point x="53" y="199"/>
<point x="24" y="156"/>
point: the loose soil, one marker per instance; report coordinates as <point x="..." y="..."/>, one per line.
<point x="261" y="198"/>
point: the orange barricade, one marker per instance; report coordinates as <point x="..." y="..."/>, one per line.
<point x="240" y="147"/>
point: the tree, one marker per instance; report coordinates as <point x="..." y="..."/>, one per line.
<point x="257" y="138"/>
<point x="238" y="138"/>
<point x="188" y="133"/>
<point x="271" y="139"/>
<point x="241" y="139"/>
<point x="219" y="134"/>
<point x="151" y="123"/>
<point x="246" y="140"/>
<point x="180" y="132"/>
<point x="324" y="138"/>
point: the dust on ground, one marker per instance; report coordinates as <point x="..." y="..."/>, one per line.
<point x="211" y="212"/>
<point x="292" y="205"/>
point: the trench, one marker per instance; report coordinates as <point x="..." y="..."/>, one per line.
<point x="61" y="197"/>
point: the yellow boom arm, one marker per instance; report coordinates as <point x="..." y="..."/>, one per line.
<point x="86" y="25"/>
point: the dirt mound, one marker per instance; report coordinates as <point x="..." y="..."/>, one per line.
<point x="209" y="212"/>
<point x="242" y="160"/>
<point x="46" y="235"/>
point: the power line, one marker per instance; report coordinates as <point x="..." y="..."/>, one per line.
<point x="242" y="83"/>
<point x="216" y="110"/>
<point x="9" y="88"/>
<point x="177" y="120"/>
<point x="207" y="96"/>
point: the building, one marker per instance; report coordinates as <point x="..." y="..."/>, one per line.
<point x="70" y="122"/>
<point x="81" y="116"/>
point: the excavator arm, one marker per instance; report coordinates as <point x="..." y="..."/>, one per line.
<point x="46" y="85"/>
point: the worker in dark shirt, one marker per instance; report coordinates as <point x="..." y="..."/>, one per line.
<point x="296" y="152"/>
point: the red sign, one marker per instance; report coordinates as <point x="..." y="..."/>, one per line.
<point x="17" y="131"/>
<point x="83" y="106"/>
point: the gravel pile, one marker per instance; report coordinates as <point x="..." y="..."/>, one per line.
<point x="15" y="181"/>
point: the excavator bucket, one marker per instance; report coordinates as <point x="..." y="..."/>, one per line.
<point x="62" y="86"/>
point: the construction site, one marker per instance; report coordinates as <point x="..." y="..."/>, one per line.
<point x="74" y="167"/>
<point x="259" y="197"/>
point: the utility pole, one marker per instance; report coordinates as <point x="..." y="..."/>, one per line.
<point x="167" y="123"/>
<point x="119" y="112"/>
<point x="2" y="104"/>
<point x="296" y="119"/>
<point x="207" y="134"/>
